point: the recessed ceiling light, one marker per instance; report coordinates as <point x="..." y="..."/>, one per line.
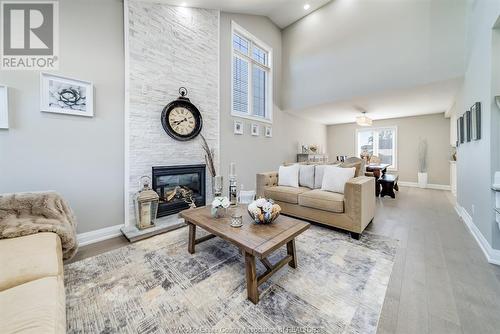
<point x="183" y="4"/>
<point x="307" y="6"/>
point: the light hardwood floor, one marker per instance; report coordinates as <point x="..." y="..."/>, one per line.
<point x="441" y="281"/>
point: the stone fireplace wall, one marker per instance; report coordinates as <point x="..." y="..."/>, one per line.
<point x="167" y="47"/>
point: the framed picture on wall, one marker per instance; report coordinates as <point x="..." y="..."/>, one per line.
<point x="461" y="130"/>
<point x="468" y="125"/>
<point x="68" y="96"/>
<point x="476" y="121"/>
<point x="269" y="131"/>
<point x="238" y="127"/>
<point x="255" y="129"/>
<point x="4" y="107"/>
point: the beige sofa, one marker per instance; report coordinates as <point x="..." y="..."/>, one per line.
<point x="351" y="211"/>
<point x="32" y="298"/>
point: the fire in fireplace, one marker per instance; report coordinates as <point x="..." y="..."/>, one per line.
<point x="177" y="186"/>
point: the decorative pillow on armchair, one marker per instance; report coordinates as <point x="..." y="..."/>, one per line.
<point x="335" y="178"/>
<point x="289" y="176"/>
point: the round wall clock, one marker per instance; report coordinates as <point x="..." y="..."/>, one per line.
<point x="180" y="119"/>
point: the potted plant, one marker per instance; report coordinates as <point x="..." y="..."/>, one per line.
<point x="422" y="164"/>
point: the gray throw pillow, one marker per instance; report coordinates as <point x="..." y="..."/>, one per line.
<point x="306" y="176"/>
<point x="318" y="176"/>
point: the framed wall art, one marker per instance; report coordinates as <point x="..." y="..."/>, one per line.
<point x="238" y="127"/>
<point x="255" y="129"/>
<point x="269" y="131"/>
<point x="468" y="125"/>
<point x="461" y="129"/>
<point x="476" y="121"/>
<point x="67" y="96"/>
<point x="4" y="107"/>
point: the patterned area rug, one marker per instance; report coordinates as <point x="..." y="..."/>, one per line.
<point x="156" y="286"/>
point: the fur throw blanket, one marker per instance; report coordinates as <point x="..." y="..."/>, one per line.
<point x="30" y="213"/>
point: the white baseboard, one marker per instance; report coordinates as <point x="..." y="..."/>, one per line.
<point x="491" y="254"/>
<point x="429" y="185"/>
<point x="91" y="237"/>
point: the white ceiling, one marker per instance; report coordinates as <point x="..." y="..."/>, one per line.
<point x="281" y="12"/>
<point x="393" y="58"/>
<point x="431" y="98"/>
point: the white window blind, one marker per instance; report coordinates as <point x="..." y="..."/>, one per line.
<point x="259" y="91"/>
<point x="240" y="85"/>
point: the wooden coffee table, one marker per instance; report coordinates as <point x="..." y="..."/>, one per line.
<point x="255" y="241"/>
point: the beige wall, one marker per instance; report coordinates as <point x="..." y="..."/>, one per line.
<point x="258" y="154"/>
<point x="80" y="157"/>
<point x="435" y="128"/>
<point x="478" y="160"/>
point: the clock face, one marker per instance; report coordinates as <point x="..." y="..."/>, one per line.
<point x="182" y="121"/>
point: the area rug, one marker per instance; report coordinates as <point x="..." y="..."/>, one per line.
<point x="156" y="286"/>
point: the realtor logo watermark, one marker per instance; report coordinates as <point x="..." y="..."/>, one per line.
<point x="30" y="35"/>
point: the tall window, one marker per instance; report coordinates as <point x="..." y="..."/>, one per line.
<point x="251" y="76"/>
<point x="380" y="142"/>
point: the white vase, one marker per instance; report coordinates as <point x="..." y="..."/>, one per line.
<point x="422" y="180"/>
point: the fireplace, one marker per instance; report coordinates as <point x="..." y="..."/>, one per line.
<point x="174" y="184"/>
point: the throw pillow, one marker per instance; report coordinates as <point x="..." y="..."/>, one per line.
<point x="318" y="176"/>
<point x="335" y="178"/>
<point x="306" y="176"/>
<point x="289" y="176"/>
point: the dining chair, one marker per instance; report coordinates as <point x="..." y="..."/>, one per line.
<point x="375" y="160"/>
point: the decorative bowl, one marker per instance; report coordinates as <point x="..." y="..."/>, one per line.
<point x="263" y="211"/>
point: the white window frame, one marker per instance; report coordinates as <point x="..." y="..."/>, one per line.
<point x="394" y="166"/>
<point x="235" y="28"/>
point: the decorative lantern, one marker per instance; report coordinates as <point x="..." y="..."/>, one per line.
<point x="146" y="205"/>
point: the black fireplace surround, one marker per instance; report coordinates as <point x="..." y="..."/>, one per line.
<point x="171" y="182"/>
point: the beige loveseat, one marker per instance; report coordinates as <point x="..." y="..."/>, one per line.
<point x="32" y="298"/>
<point x="351" y="211"/>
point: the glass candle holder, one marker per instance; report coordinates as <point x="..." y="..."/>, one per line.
<point x="217" y="185"/>
<point x="236" y="220"/>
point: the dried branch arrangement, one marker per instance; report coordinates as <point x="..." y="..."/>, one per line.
<point x="422" y="156"/>
<point x="209" y="156"/>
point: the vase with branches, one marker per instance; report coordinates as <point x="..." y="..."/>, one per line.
<point x="422" y="163"/>
<point x="210" y="161"/>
